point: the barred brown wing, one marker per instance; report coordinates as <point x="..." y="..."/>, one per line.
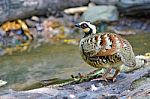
<point x="102" y="44"/>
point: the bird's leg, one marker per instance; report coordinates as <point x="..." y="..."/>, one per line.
<point x="81" y="75"/>
<point x="104" y="76"/>
<point x="113" y="78"/>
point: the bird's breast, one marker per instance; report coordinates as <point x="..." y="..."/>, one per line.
<point x="100" y="50"/>
<point x="103" y="61"/>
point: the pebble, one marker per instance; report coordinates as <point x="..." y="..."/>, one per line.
<point x="30" y="23"/>
<point x="2" y="83"/>
<point x="35" y="18"/>
<point x="72" y="96"/>
<point x="93" y="88"/>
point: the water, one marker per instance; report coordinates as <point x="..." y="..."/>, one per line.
<point x="140" y="43"/>
<point x="50" y="61"/>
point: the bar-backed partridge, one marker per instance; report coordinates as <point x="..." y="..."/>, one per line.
<point x="105" y="50"/>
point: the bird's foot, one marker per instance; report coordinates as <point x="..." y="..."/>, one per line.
<point x="104" y="76"/>
<point x="101" y="78"/>
<point x="111" y="78"/>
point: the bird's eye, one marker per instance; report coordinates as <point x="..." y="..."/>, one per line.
<point x="84" y="25"/>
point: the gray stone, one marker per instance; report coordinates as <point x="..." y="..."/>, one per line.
<point x="134" y="7"/>
<point x="104" y="13"/>
<point x="132" y="3"/>
<point x="14" y="9"/>
<point x="104" y="2"/>
<point x="128" y="7"/>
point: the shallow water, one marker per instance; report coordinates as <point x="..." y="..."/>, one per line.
<point x="140" y="43"/>
<point x="50" y="61"/>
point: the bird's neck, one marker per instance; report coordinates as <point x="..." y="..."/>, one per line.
<point x="91" y="32"/>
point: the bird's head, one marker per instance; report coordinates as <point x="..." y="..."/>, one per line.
<point x="87" y="27"/>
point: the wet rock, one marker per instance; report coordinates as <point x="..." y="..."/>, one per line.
<point x="11" y="10"/>
<point x="105" y="13"/>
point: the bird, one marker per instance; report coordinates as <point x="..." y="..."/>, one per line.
<point x="105" y="50"/>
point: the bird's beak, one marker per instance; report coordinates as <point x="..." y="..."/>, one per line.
<point x="77" y="25"/>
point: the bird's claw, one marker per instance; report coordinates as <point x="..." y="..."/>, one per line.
<point x="111" y="78"/>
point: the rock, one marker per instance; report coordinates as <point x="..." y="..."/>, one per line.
<point x="128" y="7"/>
<point x="131" y="26"/>
<point x="11" y="10"/>
<point x="120" y="89"/>
<point x="35" y="18"/>
<point x="105" y="13"/>
<point x="75" y="10"/>
<point x="30" y="23"/>
<point x="124" y="32"/>
<point x="132" y="3"/>
<point x="2" y="33"/>
<point x="2" y="83"/>
<point x="104" y="2"/>
<point x="134" y="7"/>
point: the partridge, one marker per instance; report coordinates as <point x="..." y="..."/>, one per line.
<point x="105" y="50"/>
